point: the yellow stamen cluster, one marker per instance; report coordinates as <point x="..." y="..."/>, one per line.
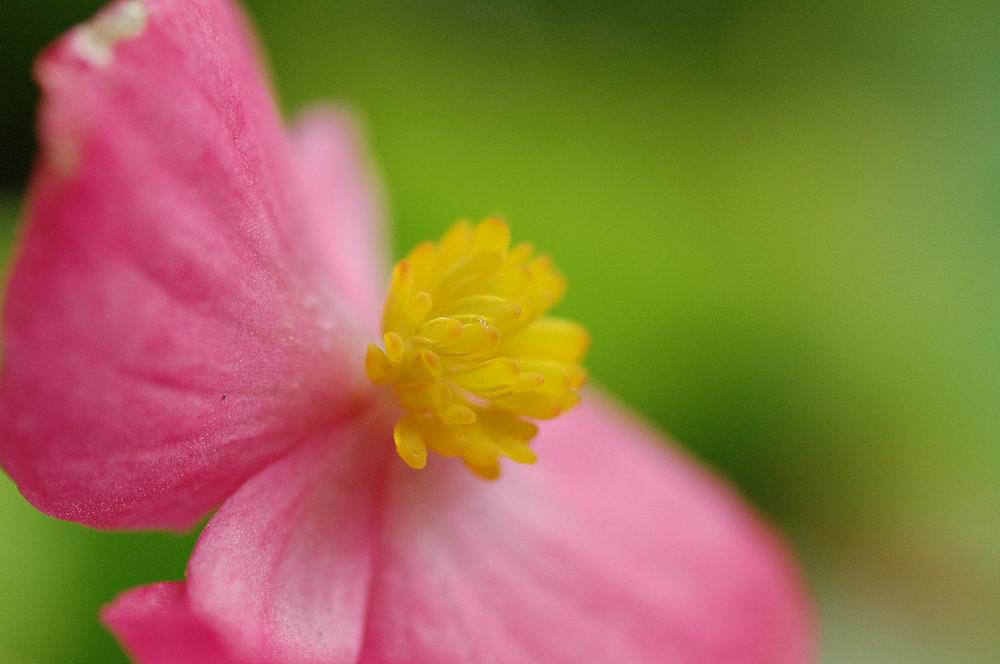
<point x="468" y="352"/>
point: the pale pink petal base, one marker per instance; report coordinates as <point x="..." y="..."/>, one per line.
<point x="344" y="200"/>
<point x="613" y="548"/>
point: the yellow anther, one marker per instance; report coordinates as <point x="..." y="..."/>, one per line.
<point x="410" y="444"/>
<point x="456" y="413"/>
<point x="490" y="472"/>
<point x="491" y="235"/>
<point x="468" y="351"/>
<point x="492" y="308"/>
<point x="377" y="365"/>
<point x="418" y="306"/>
<point x="427" y="366"/>
<point x="440" y="331"/>
<point x="395" y="347"/>
<point x="479" y="339"/>
<point x="528" y="381"/>
<point x="554" y="339"/>
<point x="496" y="374"/>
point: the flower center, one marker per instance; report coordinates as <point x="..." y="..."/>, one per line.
<point x="468" y="351"/>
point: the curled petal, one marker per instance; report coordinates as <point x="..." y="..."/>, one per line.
<point x="156" y="626"/>
<point x="283" y="570"/>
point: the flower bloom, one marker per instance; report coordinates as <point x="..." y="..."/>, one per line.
<point x="190" y="322"/>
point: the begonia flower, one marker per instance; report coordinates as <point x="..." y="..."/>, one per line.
<point x="193" y="321"/>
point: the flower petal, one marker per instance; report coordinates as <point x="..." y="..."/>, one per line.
<point x="611" y="548"/>
<point x="345" y="199"/>
<point x="283" y="570"/>
<point x="171" y="324"/>
<point x="156" y="626"/>
<point x="608" y="550"/>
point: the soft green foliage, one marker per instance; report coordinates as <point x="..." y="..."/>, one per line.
<point x="780" y="225"/>
<point x="8" y="216"/>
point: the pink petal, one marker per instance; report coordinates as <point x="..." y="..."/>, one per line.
<point x="283" y="569"/>
<point x="611" y="549"/>
<point x="345" y="197"/>
<point x="172" y="325"/>
<point x="156" y="626"/>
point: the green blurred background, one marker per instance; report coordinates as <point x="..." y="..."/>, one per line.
<point x="780" y="223"/>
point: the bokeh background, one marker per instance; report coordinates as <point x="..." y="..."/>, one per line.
<point x="781" y="222"/>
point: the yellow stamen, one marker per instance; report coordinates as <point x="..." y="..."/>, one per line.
<point x="468" y="351"/>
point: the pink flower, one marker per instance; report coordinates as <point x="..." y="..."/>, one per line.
<point x="186" y="326"/>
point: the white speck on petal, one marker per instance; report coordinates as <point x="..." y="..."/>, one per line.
<point x="96" y="39"/>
